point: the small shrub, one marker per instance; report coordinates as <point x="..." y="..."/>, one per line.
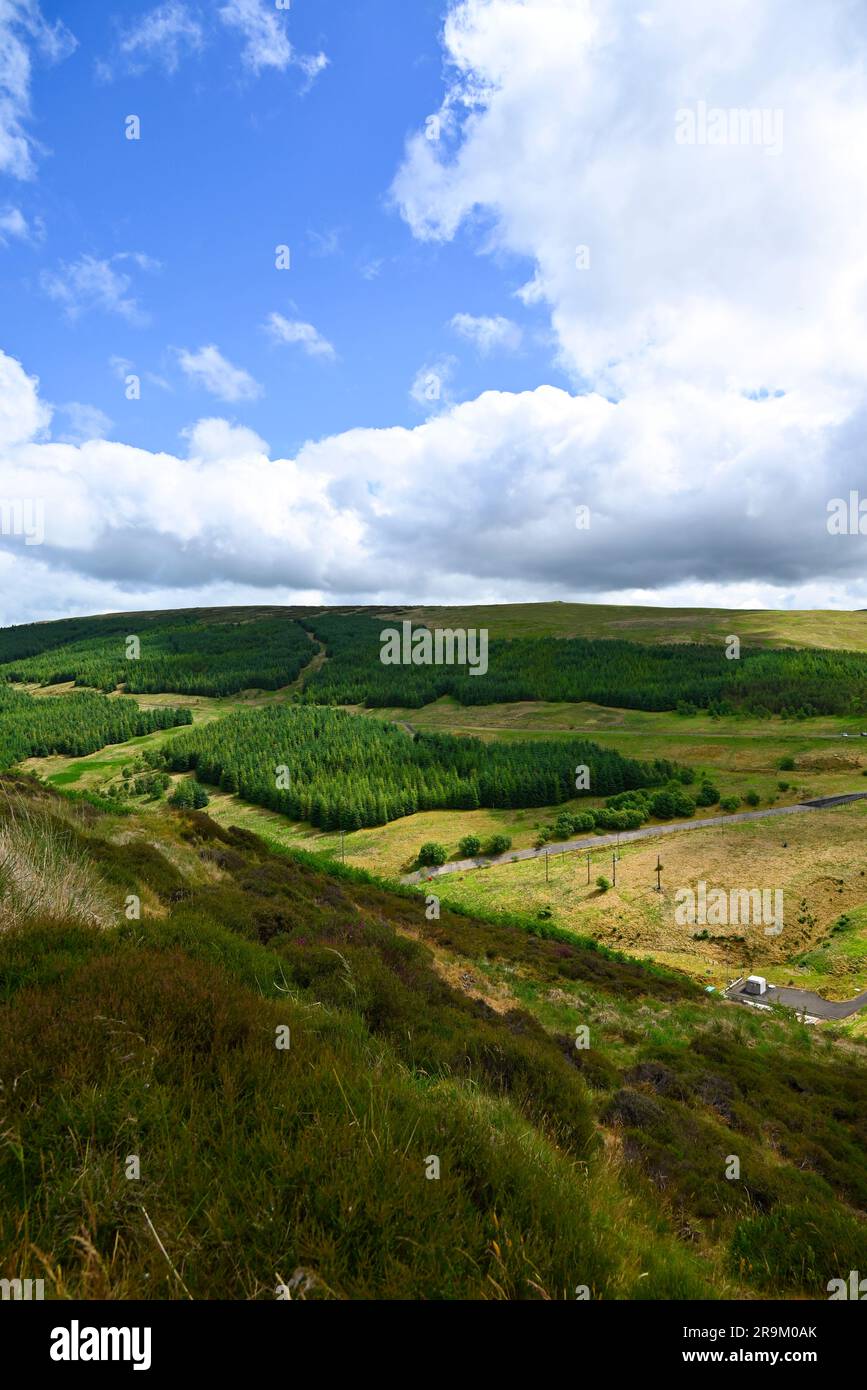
<point x="498" y="844"/>
<point x="432" y="853"/>
<point x="708" y="795"/>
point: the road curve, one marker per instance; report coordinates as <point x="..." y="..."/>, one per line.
<point x="647" y="832"/>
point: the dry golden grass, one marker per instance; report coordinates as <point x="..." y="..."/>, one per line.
<point x="817" y="858"/>
<point x="43" y="876"/>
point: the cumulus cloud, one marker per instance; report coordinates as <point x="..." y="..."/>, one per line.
<point x="724" y="265"/>
<point x="480" y="499"/>
<point x="13" y="224"/>
<point x="706" y="300"/>
<point x="22" y="416"/>
<point x="488" y="334"/>
<point x="283" y="330"/>
<point x="215" y="440"/>
<point x="266" y="42"/>
<point x="210" y="369"/>
<point x="24" y="34"/>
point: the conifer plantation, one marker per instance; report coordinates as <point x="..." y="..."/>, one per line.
<point x="343" y="772"/>
<point x="220" y="654"/>
<point x="77" y="725"/>
<point x="179" y="653"/>
<point x="605" y="671"/>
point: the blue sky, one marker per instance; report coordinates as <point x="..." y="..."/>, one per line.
<point x="230" y="164"/>
<point x="626" y="282"/>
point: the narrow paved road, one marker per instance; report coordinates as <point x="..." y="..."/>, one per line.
<point x="593" y="730"/>
<point x="647" y="832"/>
<point x="802" y="1000"/>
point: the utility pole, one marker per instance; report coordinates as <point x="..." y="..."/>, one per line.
<point x="588" y="865"/>
<point x="614" y="868"/>
<point x="658" y="873"/>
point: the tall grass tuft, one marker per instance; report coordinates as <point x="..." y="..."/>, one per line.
<point x="43" y="874"/>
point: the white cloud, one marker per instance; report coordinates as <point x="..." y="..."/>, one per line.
<point x="22" y="416"/>
<point x="283" y="330"/>
<point x="162" y="36"/>
<point x="24" y="32"/>
<point x="210" y="369"/>
<point x="90" y="283"/>
<point x="139" y="259"/>
<point x="13" y="224"/>
<point x="266" y="42"/>
<point x="174" y="30"/>
<point x="488" y="334"/>
<point x="725" y="266"/>
<point x="215" y="441"/>
<point x="311" y="64"/>
<point x="479" y="499"/>
<point x="717" y="278"/>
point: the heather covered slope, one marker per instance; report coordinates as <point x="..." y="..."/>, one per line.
<point x="409" y="1039"/>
